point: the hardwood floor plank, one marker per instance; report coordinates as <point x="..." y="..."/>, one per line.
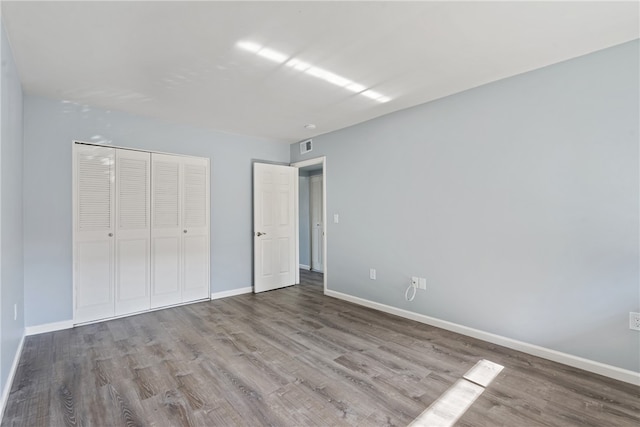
<point x="241" y="395"/>
<point x="290" y="357"/>
<point x="128" y="416"/>
<point x="363" y="389"/>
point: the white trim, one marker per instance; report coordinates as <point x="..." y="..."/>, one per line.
<point x="120" y="147"/>
<point x="231" y="293"/>
<point x="309" y="162"/>
<point x="151" y="310"/>
<point x="68" y="324"/>
<point x="12" y="372"/>
<point x="614" y="372"/>
<point x="48" y="327"/>
<point x="296" y="214"/>
<point x="305" y="267"/>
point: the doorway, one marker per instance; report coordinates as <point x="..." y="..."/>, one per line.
<point x="312" y="234"/>
<point x="316" y="221"/>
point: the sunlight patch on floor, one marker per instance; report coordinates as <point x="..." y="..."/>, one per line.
<point x="454" y="402"/>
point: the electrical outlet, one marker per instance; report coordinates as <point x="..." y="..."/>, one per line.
<point x="15" y="311"/>
<point x="414" y="281"/>
<point x="372" y="274"/>
<point x="634" y="321"/>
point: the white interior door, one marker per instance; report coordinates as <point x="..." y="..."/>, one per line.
<point x="195" y="232"/>
<point x="133" y="232"/>
<point x="274" y="226"/>
<point x="166" y="231"/>
<point x="93" y="232"/>
<point x="317" y="223"/>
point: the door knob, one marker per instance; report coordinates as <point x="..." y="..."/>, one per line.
<point x="185" y="231"/>
<point x="110" y="234"/>
<point x="260" y="234"/>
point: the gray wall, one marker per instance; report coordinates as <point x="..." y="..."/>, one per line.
<point x="517" y="200"/>
<point x="303" y="219"/>
<point x="51" y="125"/>
<point x="11" y="257"/>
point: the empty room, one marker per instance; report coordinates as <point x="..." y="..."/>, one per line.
<point x="332" y="213"/>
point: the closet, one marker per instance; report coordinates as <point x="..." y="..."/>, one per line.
<point x="141" y="231"/>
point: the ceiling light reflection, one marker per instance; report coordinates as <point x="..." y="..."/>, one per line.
<point x="307" y="68"/>
<point x="336" y="79"/>
<point x="371" y="94"/>
<point x="316" y="72"/>
<point x="249" y="46"/>
<point x="298" y="65"/>
<point x="272" y="55"/>
<point x="355" y="87"/>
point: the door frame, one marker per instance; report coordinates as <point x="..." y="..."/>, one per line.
<point x="315" y="198"/>
<point x="322" y="160"/>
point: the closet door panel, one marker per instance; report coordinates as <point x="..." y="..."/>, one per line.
<point x="94" y="280"/>
<point x="133" y="231"/>
<point x="93" y="201"/>
<point x="166" y="271"/>
<point x="195" y="229"/>
<point x="196" y="268"/>
<point x="133" y="275"/>
<point x="166" y="230"/>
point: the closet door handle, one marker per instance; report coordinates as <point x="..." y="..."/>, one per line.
<point x="110" y="234"/>
<point x="185" y="231"/>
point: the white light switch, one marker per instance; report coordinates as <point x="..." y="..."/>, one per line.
<point x="372" y="274"/>
<point x="336" y="218"/>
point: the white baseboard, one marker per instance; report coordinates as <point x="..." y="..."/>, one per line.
<point x="305" y="267"/>
<point x="7" y="386"/>
<point x="614" y="372"/>
<point x="231" y="293"/>
<point x="48" y="327"/>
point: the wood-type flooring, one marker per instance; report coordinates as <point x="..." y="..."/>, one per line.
<point x="290" y="357"/>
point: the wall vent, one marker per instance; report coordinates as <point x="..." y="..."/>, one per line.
<point x="306" y="146"/>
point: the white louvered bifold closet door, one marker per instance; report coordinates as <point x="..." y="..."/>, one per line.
<point x="141" y="231"/>
<point x="94" y="222"/>
<point x="133" y="232"/>
<point x="179" y="229"/>
<point x="195" y="232"/>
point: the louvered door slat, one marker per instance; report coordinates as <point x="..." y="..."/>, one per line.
<point x="195" y="195"/>
<point x="133" y="175"/>
<point x="166" y="204"/>
<point x="94" y="188"/>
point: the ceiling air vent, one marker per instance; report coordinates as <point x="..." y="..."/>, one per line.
<point x="305" y="146"/>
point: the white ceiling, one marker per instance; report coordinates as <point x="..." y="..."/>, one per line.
<point x="179" y="61"/>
